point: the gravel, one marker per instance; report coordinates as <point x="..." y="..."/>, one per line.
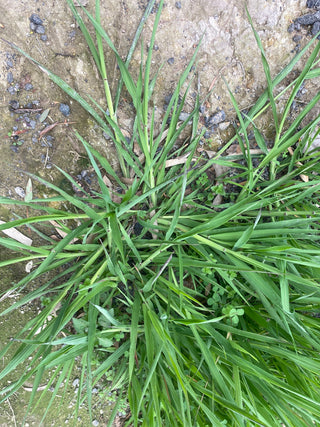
<point x="313" y="4"/>
<point x="308" y="19"/>
<point x="315" y="29"/>
<point x="28" y="86"/>
<point x="35" y="19"/>
<point x="64" y="109"/>
<point x="20" y="191"/>
<point x="40" y="29"/>
<point x="216" y="118"/>
<point x="10" y="77"/>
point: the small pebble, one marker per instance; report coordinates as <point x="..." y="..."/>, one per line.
<point x="76" y="382"/>
<point x="45" y="143"/>
<point x="297" y="26"/>
<point x="64" y="109"/>
<point x="184" y="116"/>
<point x="20" y="191"/>
<point x="95" y="422"/>
<point x="14" y="104"/>
<point x="44" y="37"/>
<point x="14" y="148"/>
<point x="28" y="86"/>
<point x="40" y="29"/>
<point x="33" y="26"/>
<point x="171" y="61"/>
<point x="216" y="118"/>
<point x="178" y="4"/>
<point x="9" y="77"/>
<point x="296" y="38"/>
<point x="9" y="63"/>
<point x="35" y="19"/>
<point x="291" y="28"/>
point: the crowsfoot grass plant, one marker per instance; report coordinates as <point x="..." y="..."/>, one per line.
<point x="206" y="316"/>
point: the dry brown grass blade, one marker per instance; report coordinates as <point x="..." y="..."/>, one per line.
<point x="60" y="231"/>
<point x="303" y="177"/>
<point x="16" y="235"/>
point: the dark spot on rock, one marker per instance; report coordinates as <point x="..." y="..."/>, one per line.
<point x="171" y="61"/>
<point x="202" y="109"/>
<point x="40" y="29"/>
<point x="35" y="19"/>
<point x="178" y="4"/>
<point x="64" y="109"/>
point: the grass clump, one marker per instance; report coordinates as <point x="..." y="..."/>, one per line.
<point x="206" y="316"/>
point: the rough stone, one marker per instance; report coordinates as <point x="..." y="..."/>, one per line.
<point x="216" y="118"/>
<point x="35" y="19"/>
<point x="64" y="109"/>
<point x="313" y="4"/>
<point x="40" y="29"/>
<point x="308" y="19"/>
<point x="315" y="28"/>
